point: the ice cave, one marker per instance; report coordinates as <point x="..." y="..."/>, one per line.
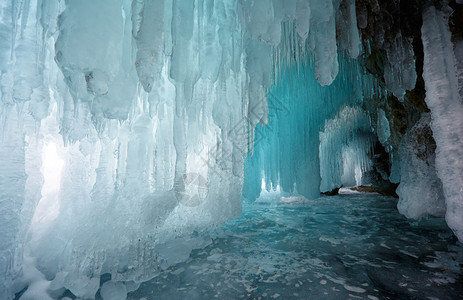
<point x="231" y="149"/>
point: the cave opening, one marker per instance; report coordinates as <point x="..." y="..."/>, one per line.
<point x="170" y="149"/>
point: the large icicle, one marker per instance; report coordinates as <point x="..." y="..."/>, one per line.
<point x="91" y="54"/>
<point x="346" y="28"/>
<point x="148" y="31"/>
<point x="322" y="40"/>
<point x="446" y="106"/>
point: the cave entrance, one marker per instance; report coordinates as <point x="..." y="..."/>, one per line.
<point x="318" y="138"/>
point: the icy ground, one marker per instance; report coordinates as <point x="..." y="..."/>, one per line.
<point x="343" y="247"/>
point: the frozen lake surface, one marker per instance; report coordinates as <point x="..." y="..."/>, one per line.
<point x="342" y="247"/>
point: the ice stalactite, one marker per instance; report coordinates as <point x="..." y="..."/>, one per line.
<point x="322" y="40"/>
<point x="94" y="62"/>
<point x="442" y="97"/>
<point x="12" y="185"/>
<point x="148" y="30"/>
<point x="346" y="28"/>
<point x="399" y="70"/>
<point x="383" y="128"/>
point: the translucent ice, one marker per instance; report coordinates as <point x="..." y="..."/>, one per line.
<point x="148" y="28"/>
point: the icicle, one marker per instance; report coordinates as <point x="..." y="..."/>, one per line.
<point x="446" y="107"/>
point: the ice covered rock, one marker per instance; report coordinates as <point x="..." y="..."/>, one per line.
<point x="420" y="189"/>
<point x="35" y="282"/>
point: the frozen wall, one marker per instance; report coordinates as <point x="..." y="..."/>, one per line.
<point x="125" y="125"/>
<point x="116" y="137"/>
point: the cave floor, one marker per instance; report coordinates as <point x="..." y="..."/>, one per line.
<point x="354" y="246"/>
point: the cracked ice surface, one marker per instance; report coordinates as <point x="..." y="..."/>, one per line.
<point x="346" y="246"/>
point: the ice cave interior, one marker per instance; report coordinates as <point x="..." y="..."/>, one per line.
<point x="195" y="149"/>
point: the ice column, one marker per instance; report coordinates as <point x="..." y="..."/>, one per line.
<point x="12" y="190"/>
<point x="442" y="97"/>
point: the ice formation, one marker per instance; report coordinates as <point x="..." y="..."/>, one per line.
<point x="127" y="125"/>
<point x="399" y="70"/>
<point x="442" y="75"/>
<point x="420" y="190"/>
<point x="299" y="150"/>
<point x="345" y="149"/>
<point x="383" y="128"/>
